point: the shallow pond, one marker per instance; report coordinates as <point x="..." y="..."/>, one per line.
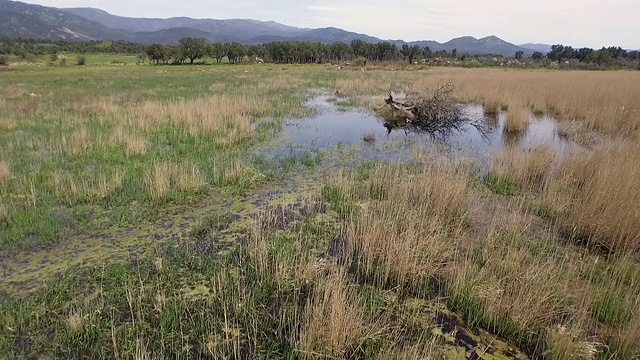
<point x="356" y="134"/>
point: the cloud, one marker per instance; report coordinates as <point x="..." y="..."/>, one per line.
<point x="322" y="8"/>
<point x="592" y="23"/>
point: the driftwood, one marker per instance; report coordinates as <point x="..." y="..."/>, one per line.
<point x="437" y="112"/>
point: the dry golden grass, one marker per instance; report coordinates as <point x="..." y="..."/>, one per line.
<point x="93" y="106"/>
<point x="5" y="171"/>
<point x="491" y="106"/>
<point x="236" y="171"/>
<point x="133" y="144"/>
<point x="628" y="339"/>
<point x="566" y="344"/>
<point x="519" y="277"/>
<point x="75" y="321"/>
<point x="529" y="167"/>
<point x="596" y="194"/>
<point x="334" y="322"/>
<point x="165" y="176"/>
<point x="69" y="188"/>
<point x="517" y="119"/>
<point x="201" y="114"/>
<point x="77" y="143"/>
<point x="109" y="185"/>
<point x="190" y="178"/>
<point x="602" y="101"/>
<point x="7" y="124"/>
<point x="406" y="221"/>
<point x="352" y="87"/>
<point x="158" y="181"/>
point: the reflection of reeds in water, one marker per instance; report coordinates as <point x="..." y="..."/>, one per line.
<point x="512" y="138"/>
<point x="517" y="119"/>
<point x="369" y="137"/>
<point x="491" y="121"/>
<point x="491" y="107"/>
<point x="515" y="125"/>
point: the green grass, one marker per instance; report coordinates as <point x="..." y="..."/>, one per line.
<point x="47" y="104"/>
<point x="501" y="184"/>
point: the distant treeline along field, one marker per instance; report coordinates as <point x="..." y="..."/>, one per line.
<point x="197" y="50"/>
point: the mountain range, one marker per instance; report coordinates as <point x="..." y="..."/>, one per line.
<point x="18" y="19"/>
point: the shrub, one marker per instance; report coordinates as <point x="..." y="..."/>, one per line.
<point x="360" y="61"/>
<point x="81" y="60"/>
<point x="29" y="57"/>
<point x="4" y="60"/>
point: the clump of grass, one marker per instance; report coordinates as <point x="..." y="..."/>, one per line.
<point x="334" y="322"/>
<point x="369" y="137"/>
<point x="5" y="171"/>
<point x="501" y="184"/>
<point x="515" y="286"/>
<point x="77" y="143"/>
<point x="596" y="196"/>
<point x="491" y="106"/>
<point x="567" y="343"/>
<point x="7" y="124"/>
<point x="211" y="223"/>
<point x="75" y="322"/>
<point x="530" y="168"/>
<point x="627" y="344"/>
<point x="158" y="181"/>
<point x="68" y="188"/>
<point x="399" y="237"/>
<point x="517" y="119"/>
<point x="133" y="144"/>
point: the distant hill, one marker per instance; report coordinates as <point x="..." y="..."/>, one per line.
<point x="238" y="28"/>
<point x="19" y="19"/>
<point x="486" y="45"/>
<point x="543" y="48"/>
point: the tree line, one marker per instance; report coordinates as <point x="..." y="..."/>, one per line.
<point x="606" y="56"/>
<point x="190" y="49"/>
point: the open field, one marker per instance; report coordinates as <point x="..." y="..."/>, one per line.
<point x="136" y="220"/>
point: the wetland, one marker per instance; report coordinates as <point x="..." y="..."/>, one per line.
<point x="259" y="211"/>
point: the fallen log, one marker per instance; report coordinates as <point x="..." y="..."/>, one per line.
<point x="437" y="110"/>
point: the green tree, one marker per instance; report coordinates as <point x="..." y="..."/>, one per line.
<point x="519" y="54"/>
<point x="177" y="54"/>
<point x="426" y="52"/>
<point x="537" y="55"/>
<point x="235" y="52"/>
<point x="410" y="52"/>
<point x="583" y="53"/>
<point x="218" y="51"/>
<point x="157" y="53"/>
<point x="142" y="57"/>
<point x="359" y="48"/>
<point x="193" y="48"/>
<point x="560" y="53"/>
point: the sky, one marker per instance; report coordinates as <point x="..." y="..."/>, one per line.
<point x="585" y="23"/>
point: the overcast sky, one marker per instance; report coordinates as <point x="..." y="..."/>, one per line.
<point x="592" y="23"/>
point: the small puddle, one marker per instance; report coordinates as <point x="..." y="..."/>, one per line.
<point x="335" y="131"/>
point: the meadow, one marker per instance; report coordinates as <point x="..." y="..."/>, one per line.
<point x="136" y="223"/>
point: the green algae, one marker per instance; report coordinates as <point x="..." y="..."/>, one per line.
<point x="458" y="341"/>
<point x="25" y="271"/>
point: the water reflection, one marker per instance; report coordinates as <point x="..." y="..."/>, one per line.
<point x="476" y="137"/>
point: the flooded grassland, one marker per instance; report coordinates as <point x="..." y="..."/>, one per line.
<point x="260" y="211"/>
